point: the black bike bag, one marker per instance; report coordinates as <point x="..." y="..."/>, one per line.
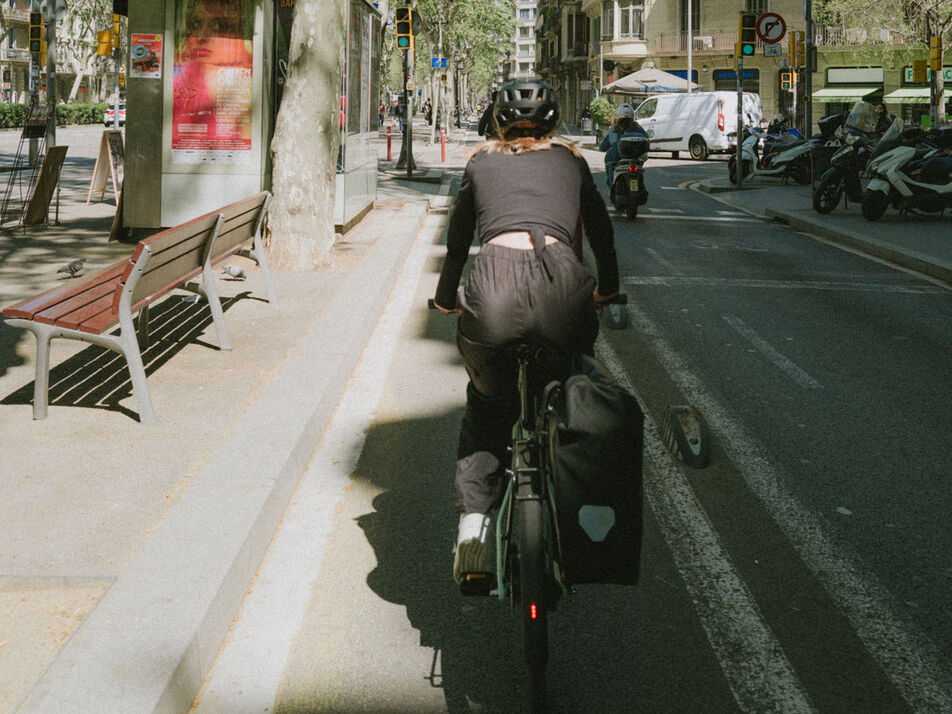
<point x="595" y="452"/>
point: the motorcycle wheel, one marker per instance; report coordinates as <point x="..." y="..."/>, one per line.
<point x="875" y="204"/>
<point x="800" y="172"/>
<point x="631" y="210"/>
<point x="827" y="194"/>
<point x="732" y="169"/>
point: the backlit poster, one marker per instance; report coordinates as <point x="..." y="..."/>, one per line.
<point x="212" y="87"/>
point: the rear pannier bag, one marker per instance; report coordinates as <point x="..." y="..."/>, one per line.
<point x="595" y="451"/>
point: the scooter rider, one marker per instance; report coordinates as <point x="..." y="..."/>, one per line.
<point x="523" y="192"/>
<point x="624" y="124"/>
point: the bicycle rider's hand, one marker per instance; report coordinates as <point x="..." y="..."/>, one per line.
<point x="599" y="298"/>
<point x="445" y="311"/>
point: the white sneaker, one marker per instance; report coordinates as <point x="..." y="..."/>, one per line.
<point x="471" y="546"/>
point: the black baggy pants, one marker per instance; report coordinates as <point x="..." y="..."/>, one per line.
<point x="511" y="295"/>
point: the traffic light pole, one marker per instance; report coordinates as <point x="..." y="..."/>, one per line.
<point x="739" y="166"/>
<point x="808" y="71"/>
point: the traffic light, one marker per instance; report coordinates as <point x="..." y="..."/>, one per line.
<point x="115" y="31"/>
<point x="798" y="49"/>
<point x="404" y="27"/>
<point x="37" y="33"/>
<point x="785" y="80"/>
<point x="919" y="71"/>
<point x="935" y="53"/>
<point x="747" y="33"/>
<point x="104" y="43"/>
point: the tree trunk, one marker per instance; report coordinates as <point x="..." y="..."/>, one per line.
<point x="76" y="84"/>
<point x="307" y="139"/>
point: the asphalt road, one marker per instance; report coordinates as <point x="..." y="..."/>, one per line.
<point x="805" y="569"/>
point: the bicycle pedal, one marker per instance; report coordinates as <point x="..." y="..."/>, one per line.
<point x="477" y="584"/>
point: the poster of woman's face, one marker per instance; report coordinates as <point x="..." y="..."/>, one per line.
<point x="212" y="81"/>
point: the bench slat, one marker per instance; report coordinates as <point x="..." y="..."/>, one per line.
<point x="26" y="309"/>
<point x="177" y="255"/>
<point x="241" y="219"/>
<point x="95" y="316"/>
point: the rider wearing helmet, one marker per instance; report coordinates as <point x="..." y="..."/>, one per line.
<point x="624" y="124"/>
<point x="522" y="193"/>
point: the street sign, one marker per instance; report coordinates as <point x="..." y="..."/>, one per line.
<point x="773" y="50"/>
<point x="771" y="28"/>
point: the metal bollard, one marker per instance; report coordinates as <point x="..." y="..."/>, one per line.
<point x="388" y="143"/>
<point x="443" y="144"/>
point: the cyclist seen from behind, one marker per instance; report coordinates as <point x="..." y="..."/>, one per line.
<point x="522" y="193"/>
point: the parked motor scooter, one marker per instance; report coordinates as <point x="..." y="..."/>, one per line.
<point x="842" y="178"/>
<point x="786" y="157"/>
<point x="628" y="190"/>
<point x="909" y="174"/>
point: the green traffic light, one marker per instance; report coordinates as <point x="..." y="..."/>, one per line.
<point x="748" y="50"/>
<point x="403" y="42"/>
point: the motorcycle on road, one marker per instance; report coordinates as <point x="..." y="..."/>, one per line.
<point x="628" y="190"/>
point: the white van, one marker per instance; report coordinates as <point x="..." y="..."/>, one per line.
<point x="700" y="122"/>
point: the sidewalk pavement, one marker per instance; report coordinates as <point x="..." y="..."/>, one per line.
<point x="126" y="549"/>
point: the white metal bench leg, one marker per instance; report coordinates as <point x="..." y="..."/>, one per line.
<point x="41" y="381"/>
<point x="137" y="374"/>
<point x="125" y="344"/>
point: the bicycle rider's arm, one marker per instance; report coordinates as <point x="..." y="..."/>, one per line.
<point x="601" y="234"/>
<point x="459" y="238"/>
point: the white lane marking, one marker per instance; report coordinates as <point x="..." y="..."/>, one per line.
<point x="829" y="285"/>
<point x="663" y="262"/>
<point x="906" y="655"/>
<point x="755" y="666"/>
<point x="771" y="353"/>
<point x="703" y="219"/>
<point x="248" y="672"/>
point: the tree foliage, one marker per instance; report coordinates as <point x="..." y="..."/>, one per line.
<point x="909" y="21"/>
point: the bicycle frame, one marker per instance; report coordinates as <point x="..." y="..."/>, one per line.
<point x="529" y="479"/>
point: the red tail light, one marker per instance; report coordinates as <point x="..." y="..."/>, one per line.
<point x="633" y="168"/>
<point x="720" y="114"/>
<point x="533" y="611"/>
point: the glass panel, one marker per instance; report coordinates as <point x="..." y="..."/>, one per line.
<point x="211" y="86"/>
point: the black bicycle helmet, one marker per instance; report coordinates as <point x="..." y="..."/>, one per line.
<point x="526" y="108"/>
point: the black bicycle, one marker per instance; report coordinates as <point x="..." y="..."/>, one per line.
<point x="527" y="539"/>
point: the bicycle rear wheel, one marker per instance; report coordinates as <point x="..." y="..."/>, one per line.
<point x="533" y="603"/>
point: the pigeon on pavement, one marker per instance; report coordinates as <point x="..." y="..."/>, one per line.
<point x="236" y="272"/>
<point x="73" y="267"/>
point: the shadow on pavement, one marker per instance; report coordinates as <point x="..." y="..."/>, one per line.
<point x="99" y="378"/>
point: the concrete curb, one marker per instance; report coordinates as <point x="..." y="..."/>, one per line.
<point x="154" y="636"/>
<point x="930" y="266"/>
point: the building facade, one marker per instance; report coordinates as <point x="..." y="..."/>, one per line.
<point x="584" y="44"/>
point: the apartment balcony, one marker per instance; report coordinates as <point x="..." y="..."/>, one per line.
<point x="15" y="54"/>
<point x="706" y="42"/>
<point x="624" y="48"/>
<point x="576" y="53"/>
<point x="15" y="14"/>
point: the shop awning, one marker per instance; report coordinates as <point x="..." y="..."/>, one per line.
<point x="913" y="95"/>
<point x="843" y="94"/>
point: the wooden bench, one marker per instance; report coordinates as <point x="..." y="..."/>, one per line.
<point x="177" y="258"/>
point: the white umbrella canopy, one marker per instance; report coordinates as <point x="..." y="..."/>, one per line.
<point x="649" y="80"/>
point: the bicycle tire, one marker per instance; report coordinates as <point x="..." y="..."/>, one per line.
<point x="533" y="603"/>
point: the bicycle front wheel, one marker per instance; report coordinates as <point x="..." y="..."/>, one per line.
<point x="533" y="603"/>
